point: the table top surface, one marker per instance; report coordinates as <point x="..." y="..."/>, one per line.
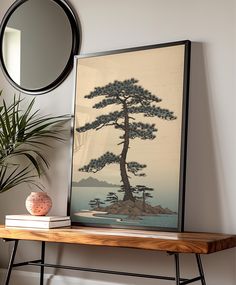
<point x="187" y="242"/>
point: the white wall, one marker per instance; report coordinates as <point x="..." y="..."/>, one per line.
<point x="211" y="179"/>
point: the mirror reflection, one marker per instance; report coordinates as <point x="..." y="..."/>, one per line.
<point x="37" y="43"/>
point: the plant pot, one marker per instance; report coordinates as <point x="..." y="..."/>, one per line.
<point x="38" y="203"/>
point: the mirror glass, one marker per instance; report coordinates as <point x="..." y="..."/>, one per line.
<point x="39" y="39"/>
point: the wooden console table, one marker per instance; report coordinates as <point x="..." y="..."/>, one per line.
<point x="173" y="243"/>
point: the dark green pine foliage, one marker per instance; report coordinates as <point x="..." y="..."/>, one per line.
<point x="132" y="99"/>
<point x="96" y="203"/>
<point x="144" y="192"/>
<point x="112" y="197"/>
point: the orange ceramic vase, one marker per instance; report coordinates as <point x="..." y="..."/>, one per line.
<point x="38" y="203"/>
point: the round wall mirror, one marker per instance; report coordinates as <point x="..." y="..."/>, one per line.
<point x="38" y="39"/>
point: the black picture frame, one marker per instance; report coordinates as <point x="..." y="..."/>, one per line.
<point x="92" y="66"/>
<point x="75" y="46"/>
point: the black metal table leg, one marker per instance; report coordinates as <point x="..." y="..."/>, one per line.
<point x="200" y="268"/>
<point x="42" y="262"/>
<point x="11" y="262"/>
<point x="177" y="269"/>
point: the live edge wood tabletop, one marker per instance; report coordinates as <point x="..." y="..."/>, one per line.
<point x="187" y="242"/>
<point x="171" y="242"/>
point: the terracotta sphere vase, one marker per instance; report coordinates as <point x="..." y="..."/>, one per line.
<point x="38" y="203"/>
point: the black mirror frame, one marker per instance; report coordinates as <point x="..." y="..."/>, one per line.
<point x="76" y="41"/>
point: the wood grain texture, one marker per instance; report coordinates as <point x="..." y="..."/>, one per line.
<point x="163" y="241"/>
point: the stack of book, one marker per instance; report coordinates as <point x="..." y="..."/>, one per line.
<point x="37" y="222"/>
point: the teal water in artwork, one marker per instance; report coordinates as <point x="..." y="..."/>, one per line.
<point x="165" y="221"/>
<point x="81" y="211"/>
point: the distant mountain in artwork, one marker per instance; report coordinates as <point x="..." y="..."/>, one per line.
<point x="92" y="182"/>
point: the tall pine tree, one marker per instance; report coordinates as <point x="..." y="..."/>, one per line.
<point x="132" y="99"/>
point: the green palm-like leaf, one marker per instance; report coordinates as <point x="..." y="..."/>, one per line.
<point x="25" y="134"/>
<point x="15" y="177"/>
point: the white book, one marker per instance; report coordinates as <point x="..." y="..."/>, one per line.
<point x="37" y="218"/>
<point x="36" y="224"/>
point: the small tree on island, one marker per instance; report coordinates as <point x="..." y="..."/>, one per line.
<point x="122" y="190"/>
<point x="95" y="203"/>
<point x="132" y="99"/>
<point x="112" y="198"/>
<point x="141" y="189"/>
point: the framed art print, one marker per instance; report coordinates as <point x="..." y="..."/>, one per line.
<point x="130" y="130"/>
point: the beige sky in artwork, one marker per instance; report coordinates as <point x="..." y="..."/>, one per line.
<point x="160" y="71"/>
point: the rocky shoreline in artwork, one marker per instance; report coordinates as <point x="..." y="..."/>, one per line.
<point x="134" y="210"/>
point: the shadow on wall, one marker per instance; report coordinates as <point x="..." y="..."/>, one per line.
<point x="203" y="207"/>
<point x="119" y="259"/>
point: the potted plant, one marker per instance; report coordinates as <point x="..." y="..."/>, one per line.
<point x="24" y="135"/>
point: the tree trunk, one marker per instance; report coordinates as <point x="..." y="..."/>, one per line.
<point x="123" y="171"/>
<point x="144" y="201"/>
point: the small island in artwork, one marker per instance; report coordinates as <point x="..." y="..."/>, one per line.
<point x="125" y="201"/>
<point x="133" y="209"/>
<point x="115" y="206"/>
